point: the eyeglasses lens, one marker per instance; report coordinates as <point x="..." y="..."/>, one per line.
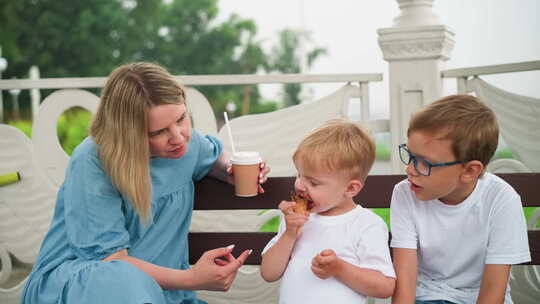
<point x="404" y="155"/>
<point x="422" y="167"/>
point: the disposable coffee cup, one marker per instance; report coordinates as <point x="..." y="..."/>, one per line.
<point x="246" y="173"/>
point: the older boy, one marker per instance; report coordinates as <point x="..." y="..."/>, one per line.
<point x="455" y="229"/>
<point x="339" y="252"/>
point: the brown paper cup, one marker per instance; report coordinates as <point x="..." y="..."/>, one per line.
<point x="246" y="173"/>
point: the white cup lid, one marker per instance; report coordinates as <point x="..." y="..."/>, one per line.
<point x="246" y="158"/>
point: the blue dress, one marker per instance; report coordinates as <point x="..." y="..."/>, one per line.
<point x="93" y="220"/>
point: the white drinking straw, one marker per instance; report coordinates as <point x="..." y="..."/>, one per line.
<point x="230" y="133"/>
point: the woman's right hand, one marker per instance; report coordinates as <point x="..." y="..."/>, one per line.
<point x="294" y="221"/>
<point x="207" y="274"/>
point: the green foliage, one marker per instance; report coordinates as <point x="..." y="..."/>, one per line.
<point x="503" y="153"/>
<point x="382" y="151"/>
<point x="273" y="224"/>
<point x="66" y="38"/>
<point x="384" y="213"/>
<point x="529" y="212"/>
<point x="23" y="125"/>
<point x="287" y="57"/>
<point x="72" y="128"/>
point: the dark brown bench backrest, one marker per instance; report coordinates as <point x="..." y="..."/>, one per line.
<point x="211" y="194"/>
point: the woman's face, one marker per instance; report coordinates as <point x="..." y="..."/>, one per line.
<point x="169" y="130"/>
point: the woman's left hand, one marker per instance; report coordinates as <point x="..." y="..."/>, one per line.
<point x="265" y="169"/>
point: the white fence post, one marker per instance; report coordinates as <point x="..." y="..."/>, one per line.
<point x="3" y="66"/>
<point x="35" y="94"/>
<point x="416" y="47"/>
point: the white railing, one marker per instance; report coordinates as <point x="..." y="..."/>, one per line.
<point x="515" y="113"/>
<point x="462" y="75"/>
<point x="192" y="80"/>
<point x="211" y="80"/>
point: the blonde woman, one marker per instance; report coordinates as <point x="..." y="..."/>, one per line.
<point x="119" y="232"/>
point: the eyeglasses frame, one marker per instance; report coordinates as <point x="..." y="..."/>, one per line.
<point x="415" y="159"/>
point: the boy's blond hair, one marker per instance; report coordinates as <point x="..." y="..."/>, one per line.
<point x="338" y="145"/>
<point x="466" y="121"/>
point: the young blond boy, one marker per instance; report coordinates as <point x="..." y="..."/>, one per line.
<point x="339" y="252"/>
<point x="455" y="228"/>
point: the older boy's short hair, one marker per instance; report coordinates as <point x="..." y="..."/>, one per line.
<point x="469" y="124"/>
<point x="338" y="145"/>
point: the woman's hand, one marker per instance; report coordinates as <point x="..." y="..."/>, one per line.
<point x="264" y="169"/>
<point x="211" y="272"/>
<point x="294" y="221"/>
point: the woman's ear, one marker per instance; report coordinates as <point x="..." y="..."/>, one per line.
<point x="353" y="187"/>
<point x="472" y="170"/>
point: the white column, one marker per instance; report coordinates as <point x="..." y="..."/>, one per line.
<point x="416" y="47"/>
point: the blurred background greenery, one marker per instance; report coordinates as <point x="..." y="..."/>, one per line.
<point x="66" y="38"/>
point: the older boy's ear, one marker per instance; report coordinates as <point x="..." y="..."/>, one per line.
<point x="473" y="169"/>
<point x="354" y="187"/>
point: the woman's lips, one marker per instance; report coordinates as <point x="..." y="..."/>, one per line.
<point x="177" y="150"/>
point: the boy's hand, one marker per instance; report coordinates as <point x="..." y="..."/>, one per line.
<point x="264" y="169"/>
<point x="326" y="264"/>
<point x="294" y="221"/>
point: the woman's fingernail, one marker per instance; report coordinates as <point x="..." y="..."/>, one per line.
<point x="262" y="165"/>
<point x="261" y="175"/>
<point x="250" y="251"/>
<point x="230" y="246"/>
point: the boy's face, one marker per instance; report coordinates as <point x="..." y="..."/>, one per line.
<point x="329" y="191"/>
<point x="444" y="183"/>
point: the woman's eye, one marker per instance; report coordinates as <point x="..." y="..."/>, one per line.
<point x="181" y="118"/>
<point x="152" y="134"/>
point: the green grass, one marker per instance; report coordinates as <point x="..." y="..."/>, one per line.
<point x="273" y="224"/>
<point x="23" y="125"/>
<point x="528" y="213"/>
<point x="382" y="151"/>
<point x="71" y="128"/>
<point x="503" y="153"/>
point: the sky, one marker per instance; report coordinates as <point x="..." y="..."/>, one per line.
<point x="487" y="32"/>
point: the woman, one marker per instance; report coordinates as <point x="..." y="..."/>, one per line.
<point x="120" y="226"/>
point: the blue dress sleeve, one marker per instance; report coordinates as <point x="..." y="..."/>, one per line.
<point x="94" y="210"/>
<point x="209" y="150"/>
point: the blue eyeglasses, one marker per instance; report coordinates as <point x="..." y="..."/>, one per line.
<point x="422" y="166"/>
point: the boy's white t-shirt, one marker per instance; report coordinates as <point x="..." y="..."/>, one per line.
<point x="455" y="242"/>
<point x="359" y="237"/>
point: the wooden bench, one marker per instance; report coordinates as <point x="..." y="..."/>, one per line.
<point x="212" y="194"/>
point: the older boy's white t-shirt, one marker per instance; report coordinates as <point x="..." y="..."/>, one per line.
<point x="359" y="237"/>
<point x="455" y="242"/>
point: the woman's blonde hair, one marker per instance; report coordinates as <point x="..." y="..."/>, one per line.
<point x="120" y="127"/>
<point x="338" y="145"/>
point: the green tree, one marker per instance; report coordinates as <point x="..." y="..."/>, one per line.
<point x="291" y="56"/>
<point x="74" y="38"/>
